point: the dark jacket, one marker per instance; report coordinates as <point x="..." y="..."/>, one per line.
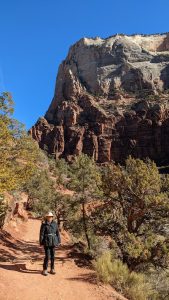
<point x="49" y="234"/>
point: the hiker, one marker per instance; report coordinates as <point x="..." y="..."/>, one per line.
<point x="50" y="238"/>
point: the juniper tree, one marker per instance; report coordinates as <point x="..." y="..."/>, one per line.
<point x="85" y="180"/>
<point x="135" y="211"/>
<point x="44" y="196"/>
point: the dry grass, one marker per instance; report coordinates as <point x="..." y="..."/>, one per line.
<point x="113" y="271"/>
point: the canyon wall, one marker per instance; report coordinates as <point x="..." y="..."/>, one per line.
<point x="111" y="100"/>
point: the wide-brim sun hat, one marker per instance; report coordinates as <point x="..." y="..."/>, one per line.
<point x="49" y="214"/>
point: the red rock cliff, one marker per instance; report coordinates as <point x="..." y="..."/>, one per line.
<point x="110" y="101"/>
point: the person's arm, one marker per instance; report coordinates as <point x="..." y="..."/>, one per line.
<point x="58" y="234"/>
<point x="41" y="234"/>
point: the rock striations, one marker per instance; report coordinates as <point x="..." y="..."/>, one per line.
<point x="111" y="100"/>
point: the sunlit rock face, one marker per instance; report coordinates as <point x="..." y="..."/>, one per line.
<point x="110" y="101"/>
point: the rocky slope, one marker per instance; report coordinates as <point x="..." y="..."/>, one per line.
<point x="111" y="100"/>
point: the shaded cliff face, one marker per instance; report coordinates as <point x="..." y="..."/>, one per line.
<point x="110" y="101"/>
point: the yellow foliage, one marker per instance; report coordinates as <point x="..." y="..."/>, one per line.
<point x="18" y="152"/>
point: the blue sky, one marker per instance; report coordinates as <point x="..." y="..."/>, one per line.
<point x="36" y="35"/>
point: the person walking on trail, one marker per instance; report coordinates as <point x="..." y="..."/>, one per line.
<point x="49" y="237"/>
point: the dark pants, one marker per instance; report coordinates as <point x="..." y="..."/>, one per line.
<point x="49" y="255"/>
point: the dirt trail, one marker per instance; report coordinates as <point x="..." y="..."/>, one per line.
<point x="21" y="261"/>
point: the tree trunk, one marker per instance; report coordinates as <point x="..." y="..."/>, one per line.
<point x="84" y="224"/>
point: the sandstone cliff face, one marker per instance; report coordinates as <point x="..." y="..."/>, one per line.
<point x="110" y="101"/>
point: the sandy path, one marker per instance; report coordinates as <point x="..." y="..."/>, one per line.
<point x="20" y="271"/>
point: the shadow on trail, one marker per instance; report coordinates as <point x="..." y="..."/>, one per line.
<point x="16" y="247"/>
<point x="81" y="259"/>
<point x="17" y="252"/>
<point x="19" y="268"/>
<point x="90" y="277"/>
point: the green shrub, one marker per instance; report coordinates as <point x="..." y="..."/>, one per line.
<point x="3" y="209"/>
<point x="133" y="285"/>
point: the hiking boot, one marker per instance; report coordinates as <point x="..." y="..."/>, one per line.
<point x="52" y="271"/>
<point x="45" y="272"/>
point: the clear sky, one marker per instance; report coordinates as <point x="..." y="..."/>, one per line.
<point x="36" y="35"/>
